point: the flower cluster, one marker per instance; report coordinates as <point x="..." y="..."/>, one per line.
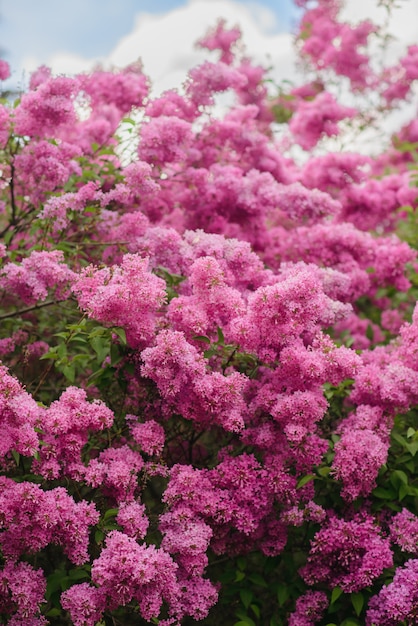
<point x="209" y="370"/>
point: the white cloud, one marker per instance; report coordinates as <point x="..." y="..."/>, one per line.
<point x="165" y="42"/>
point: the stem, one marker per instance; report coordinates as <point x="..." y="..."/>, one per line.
<point x="28" y="309"/>
<point x="12" y="194"/>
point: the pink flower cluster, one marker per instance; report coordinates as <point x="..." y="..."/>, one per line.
<point x="271" y="344"/>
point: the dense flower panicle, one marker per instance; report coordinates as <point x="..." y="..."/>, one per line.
<point x="38" y="273"/>
<point x="19" y="416"/>
<point x="33" y="518"/>
<point x="125" y="89"/>
<point x="397" y="602"/>
<point x="303" y="205"/>
<point x="374" y="204"/>
<point x="392" y="386"/>
<point x="279" y="313"/>
<point x="187" y="539"/>
<point x="367" y="260"/>
<point x="309" y="609"/>
<point x="44" y="168"/>
<point x="349" y="554"/>
<point x="4" y="125"/>
<point x="235" y="418"/>
<point x="132" y="519"/>
<point x="222" y="39"/>
<point x="50" y="105"/>
<point x="165" y="139"/>
<point x="404" y="531"/>
<point x="333" y="172"/>
<point x="316" y="118"/>
<point x="359" y="454"/>
<point x="4" y="69"/>
<point x="67" y="425"/>
<point x="126" y="570"/>
<point x="127" y="295"/>
<point x="179" y="371"/>
<point x="116" y="471"/>
<point x="171" y="103"/>
<point x="150" y="435"/>
<point x="210" y="78"/>
<point x="85" y="604"/>
<point x="22" y="590"/>
<point x="56" y="208"/>
<point x="328" y="43"/>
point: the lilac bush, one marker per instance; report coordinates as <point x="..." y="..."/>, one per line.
<point x="209" y="373"/>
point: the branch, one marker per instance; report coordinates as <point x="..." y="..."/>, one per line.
<point x="28" y="309"/>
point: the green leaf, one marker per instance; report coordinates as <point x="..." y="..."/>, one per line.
<point x="257" y="579"/>
<point x="110" y="513"/>
<point x="242" y="562"/>
<point x="336" y="592"/>
<point x="255" y="609"/>
<point x="99" y="536"/>
<point x="246" y="596"/>
<point x="78" y="574"/>
<point x="16" y="456"/>
<point x="282" y="594"/>
<point x="398" y="477"/>
<point x="357" y="600"/>
<point x="324" y="471"/>
<point x="69" y="372"/>
<point x="201" y="338"/>
<point x="221" y="338"/>
<point x="404" y="490"/>
<point x="247" y="621"/>
<point x="383" y="494"/>
<point x="120" y="332"/>
<point x="304" y="480"/>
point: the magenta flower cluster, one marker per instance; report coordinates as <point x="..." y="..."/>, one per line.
<point x="209" y="347"/>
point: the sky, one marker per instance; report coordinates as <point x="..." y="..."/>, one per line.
<point x="73" y="36"/>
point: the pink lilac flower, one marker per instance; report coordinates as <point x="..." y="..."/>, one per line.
<point x="22" y="591"/>
<point x="165" y="140"/>
<point x="223" y="39"/>
<point x="148" y="435"/>
<point x="404" y="531"/>
<point x="46" y="108"/>
<point x="116" y="471"/>
<point x="38" y="273"/>
<point x="20" y="416"/>
<point x="397" y="602"/>
<point x="126" y="570"/>
<point x="210" y="78"/>
<point x="42" y="168"/>
<point x="316" y="118"/>
<point x="124" y="89"/>
<point x="347" y="553"/>
<point x="85" y="604"/>
<point x="4" y="125"/>
<point x="359" y="454"/>
<point x="179" y="371"/>
<point x="310" y="608"/>
<point x="33" y="518"/>
<point x="132" y="519"/>
<point x="4" y="70"/>
<point x="126" y="295"/>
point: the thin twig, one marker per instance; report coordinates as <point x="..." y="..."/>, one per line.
<point x="28" y="309"/>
